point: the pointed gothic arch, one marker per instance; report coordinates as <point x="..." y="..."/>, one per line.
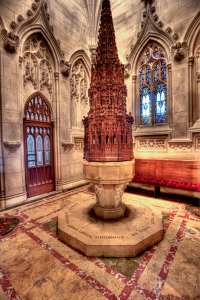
<point x="79" y="83"/>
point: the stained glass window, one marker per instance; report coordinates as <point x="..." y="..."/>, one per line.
<point x="31" y="150"/>
<point x="141" y="78"/>
<point x="163" y="70"/>
<point x="153" y="80"/>
<point x="47" y="149"/>
<point x="156" y="73"/>
<point x="148" y="75"/>
<point x="155" y="54"/>
<point x="39" y="149"/>
<point x="147" y="55"/>
<point x="160" y="104"/>
<point x="145" y="106"/>
<point x="38" y="110"/>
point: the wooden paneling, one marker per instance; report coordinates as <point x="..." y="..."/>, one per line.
<point x="183" y="171"/>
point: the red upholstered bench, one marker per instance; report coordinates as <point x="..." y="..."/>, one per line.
<point x="183" y="175"/>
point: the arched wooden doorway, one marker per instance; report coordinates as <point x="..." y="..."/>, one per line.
<point x="38" y="147"/>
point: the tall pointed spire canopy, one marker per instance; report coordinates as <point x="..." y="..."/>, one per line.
<point x="107" y="49"/>
<point x="107" y="128"/>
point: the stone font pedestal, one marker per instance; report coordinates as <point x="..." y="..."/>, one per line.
<point x="109" y="180"/>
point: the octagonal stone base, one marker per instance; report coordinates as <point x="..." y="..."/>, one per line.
<point x="139" y="229"/>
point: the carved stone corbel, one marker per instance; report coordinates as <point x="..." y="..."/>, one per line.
<point x="11" y="41"/>
<point x="65" y="67"/>
<point x="11" y="146"/>
<point x="178" y="51"/>
<point x="68" y="147"/>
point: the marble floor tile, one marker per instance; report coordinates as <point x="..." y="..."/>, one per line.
<point x="183" y="277"/>
<point x="151" y="272"/>
<point x="2" y="294"/>
<point x="36" y="274"/>
<point x="136" y="296"/>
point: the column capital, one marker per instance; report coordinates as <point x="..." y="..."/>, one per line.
<point x="169" y="66"/>
<point x="56" y="75"/>
<point x="134" y="77"/>
<point x="190" y="60"/>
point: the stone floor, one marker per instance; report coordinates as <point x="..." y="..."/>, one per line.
<point x="35" y="265"/>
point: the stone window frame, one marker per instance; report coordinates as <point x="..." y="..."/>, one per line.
<point x="136" y="81"/>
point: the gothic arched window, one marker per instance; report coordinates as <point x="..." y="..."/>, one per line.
<point x="153" y="90"/>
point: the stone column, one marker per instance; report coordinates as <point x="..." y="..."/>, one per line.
<point x="134" y="77"/>
<point x="57" y="136"/>
<point x="170" y="104"/>
<point x="190" y="92"/>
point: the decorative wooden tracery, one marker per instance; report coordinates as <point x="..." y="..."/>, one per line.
<point x="38" y="146"/>
<point x="108" y="129"/>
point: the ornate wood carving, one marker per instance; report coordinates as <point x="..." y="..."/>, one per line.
<point x="108" y="129"/>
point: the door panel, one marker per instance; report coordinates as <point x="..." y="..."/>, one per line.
<point x="38" y="141"/>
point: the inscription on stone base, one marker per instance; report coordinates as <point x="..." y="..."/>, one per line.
<point x="139" y="229"/>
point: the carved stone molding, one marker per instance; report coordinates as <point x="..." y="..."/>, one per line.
<point x="13" y="25"/>
<point x="168" y="30"/>
<point x="29" y="13"/>
<point x="134" y="77"/>
<point x="190" y="60"/>
<point x="197" y="147"/>
<point x="179" y="50"/>
<point x="127" y="69"/>
<point x="56" y="75"/>
<point x="68" y="147"/>
<point x="93" y="53"/>
<point x="65" y="67"/>
<point x="152" y="144"/>
<point x="79" y="144"/>
<point x="79" y="82"/>
<point x="197" y="77"/>
<point x="20" y="60"/>
<point x="180" y="146"/>
<point x="11" y="146"/>
<point x="175" y="36"/>
<point x="20" y="18"/>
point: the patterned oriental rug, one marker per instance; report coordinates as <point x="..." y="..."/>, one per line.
<point x="7" y="225"/>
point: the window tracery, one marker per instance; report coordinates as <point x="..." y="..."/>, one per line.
<point x="78" y="93"/>
<point x="153" y="85"/>
<point x="37" y="109"/>
<point x="37" y="64"/>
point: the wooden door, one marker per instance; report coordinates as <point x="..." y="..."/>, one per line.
<point x="38" y="145"/>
